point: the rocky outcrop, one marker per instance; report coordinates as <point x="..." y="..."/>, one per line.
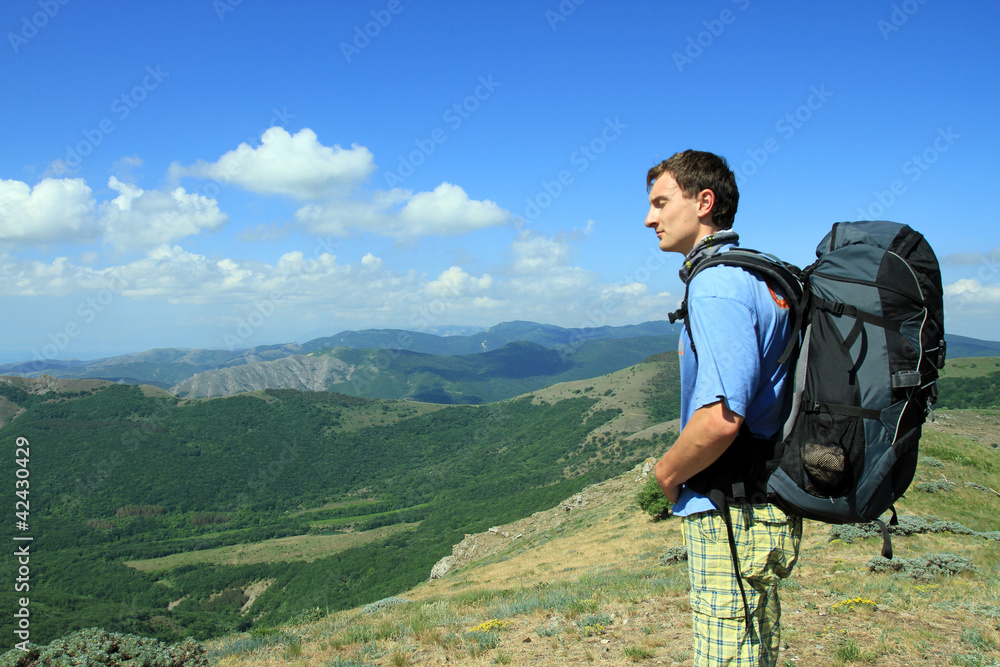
<point x="306" y="373"/>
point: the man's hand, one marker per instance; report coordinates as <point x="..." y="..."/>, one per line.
<point x="705" y="437"/>
<point x="673" y="491"/>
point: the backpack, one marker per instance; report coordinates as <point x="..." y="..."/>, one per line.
<point x="866" y="345"/>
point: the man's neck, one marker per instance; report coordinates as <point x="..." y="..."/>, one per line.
<point x="707" y="246"/>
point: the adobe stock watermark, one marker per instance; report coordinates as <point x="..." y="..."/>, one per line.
<point x="121" y="108"/>
<point x="786" y="126"/>
<point x="268" y="474"/>
<point x="608" y="306"/>
<point x="87" y="310"/>
<point x="31" y="25"/>
<point x="900" y="14"/>
<point x="264" y="309"/>
<point x="455" y="115"/>
<point x="581" y="159"/>
<point x="565" y="9"/>
<point x="915" y="167"/>
<point x="421" y="319"/>
<point x="223" y="7"/>
<point x="103" y="471"/>
<point x="696" y="44"/>
<point x="363" y="36"/>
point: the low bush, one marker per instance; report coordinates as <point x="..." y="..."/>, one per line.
<point x="95" y="646"/>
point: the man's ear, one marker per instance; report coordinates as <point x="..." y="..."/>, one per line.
<point x="706" y="202"/>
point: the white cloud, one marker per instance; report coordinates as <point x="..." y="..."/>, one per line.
<point x="534" y="253"/>
<point x="624" y="291"/>
<point x="295" y="165"/>
<point x="971" y="308"/>
<point x="455" y="282"/>
<point x="972" y="293"/>
<point x="447" y="210"/>
<point x="125" y="168"/>
<point x="310" y="290"/>
<point x="139" y="218"/>
<point x="53" y="210"/>
<point x="57" y="278"/>
<point x="340" y="216"/>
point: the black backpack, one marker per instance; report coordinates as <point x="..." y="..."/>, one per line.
<point x="867" y="344"/>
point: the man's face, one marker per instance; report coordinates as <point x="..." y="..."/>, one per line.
<point x="673" y="216"/>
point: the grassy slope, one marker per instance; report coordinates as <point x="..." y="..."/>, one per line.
<point x="298" y="547"/>
<point x="587" y="585"/>
<point x="970" y="367"/>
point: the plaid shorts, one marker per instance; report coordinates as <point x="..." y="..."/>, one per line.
<point x="767" y="543"/>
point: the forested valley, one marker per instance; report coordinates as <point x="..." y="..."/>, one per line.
<point x="135" y="496"/>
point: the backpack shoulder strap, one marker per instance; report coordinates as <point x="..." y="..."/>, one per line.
<point x="786" y="277"/>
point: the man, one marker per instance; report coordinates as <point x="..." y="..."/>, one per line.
<point x="739" y="327"/>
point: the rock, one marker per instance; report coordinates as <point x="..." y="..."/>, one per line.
<point x="441" y="568"/>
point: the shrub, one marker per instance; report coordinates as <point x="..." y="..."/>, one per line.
<point x="594" y="624"/>
<point x="95" y="646"/>
<point x="246" y="645"/>
<point x="934" y="486"/>
<point x="674" y="555"/>
<point x="384" y="603"/>
<point x="307" y="616"/>
<point x="478" y="642"/>
<point x="908" y="525"/>
<point x="927" y="567"/>
<point x="651" y="500"/>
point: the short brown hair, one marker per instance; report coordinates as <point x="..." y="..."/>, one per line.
<point x="695" y="171"/>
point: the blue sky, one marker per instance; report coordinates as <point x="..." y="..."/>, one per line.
<point x="222" y="174"/>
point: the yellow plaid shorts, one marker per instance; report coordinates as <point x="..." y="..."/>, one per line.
<point x="767" y="543"/>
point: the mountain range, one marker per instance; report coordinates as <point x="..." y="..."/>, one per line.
<point x="500" y="362"/>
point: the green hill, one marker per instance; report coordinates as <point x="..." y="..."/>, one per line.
<point x="971" y="382"/>
<point x="594" y="580"/>
<point x="120" y="474"/>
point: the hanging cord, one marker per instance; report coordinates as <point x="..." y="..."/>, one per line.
<point x="736" y="563"/>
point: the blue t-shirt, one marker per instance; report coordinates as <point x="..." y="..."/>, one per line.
<point x="740" y="327"/>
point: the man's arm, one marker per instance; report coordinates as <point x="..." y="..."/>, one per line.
<point x="707" y="434"/>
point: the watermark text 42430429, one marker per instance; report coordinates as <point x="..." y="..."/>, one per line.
<point x="22" y="582"/>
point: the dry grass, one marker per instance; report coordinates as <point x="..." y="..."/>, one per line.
<point x="623" y="608"/>
<point x="585" y="586"/>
